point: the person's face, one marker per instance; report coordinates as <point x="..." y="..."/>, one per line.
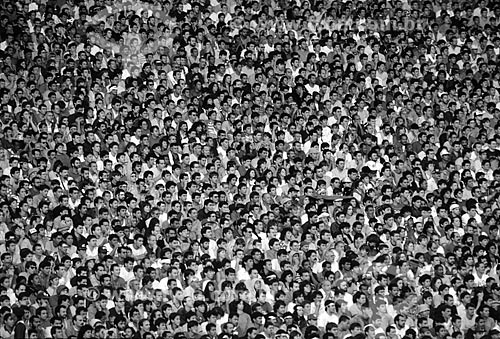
<point x="79" y="321"/>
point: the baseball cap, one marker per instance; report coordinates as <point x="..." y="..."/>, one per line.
<point x="444" y="151"/>
<point x="10" y="236"/>
<point x="94" y="322"/>
<point x="42" y="295"/>
<point x="423" y="308"/>
<point x="256" y="315"/>
<point x="329" y="302"/>
<point x="369" y="326"/>
<point x="82" y="282"/>
<point x="270" y="316"/>
<point x="366" y="170"/>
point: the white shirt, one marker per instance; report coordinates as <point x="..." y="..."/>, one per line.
<point x="242" y="274"/>
<point x="480" y="281"/>
<point x="163" y="284"/>
<point x="324" y="318"/>
<point x="138" y="252"/>
<point x="126" y="275"/>
<point x="92" y="253"/>
<point x="212" y="249"/>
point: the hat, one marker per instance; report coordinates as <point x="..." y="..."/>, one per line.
<point x="285" y="200"/>
<point x="329" y="302"/>
<point x="324" y="215"/>
<point x="94" y="322"/>
<point x="271" y="279"/>
<point x="366" y="170"/>
<point x="32" y="231"/>
<point x="82" y="247"/>
<point x="444" y="151"/>
<point x="271" y="315"/>
<point x="59" y="289"/>
<point x="312" y="317"/>
<point x="33" y="171"/>
<point x="10" y="236"/>
<point x="256" y="315"/>
<point x="423" y="308"/>
<point x="82" y="281"/>
<point x="42" y="295"/>
<point x="453" y="206"/>
<point x="368" y="276"/>
<point x="287" y="315"/>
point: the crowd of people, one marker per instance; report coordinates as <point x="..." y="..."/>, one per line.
<point x="223" y="169"/>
